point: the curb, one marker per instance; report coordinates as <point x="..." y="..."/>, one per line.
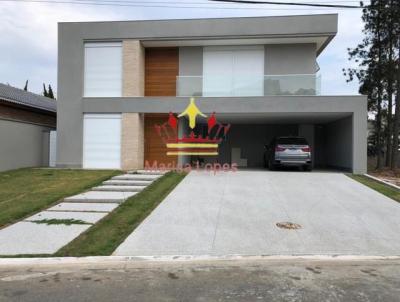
<point x="382" y="181"/>
<point x="184" y="258"/>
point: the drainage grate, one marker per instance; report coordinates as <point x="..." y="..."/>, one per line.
<point x="288" y="225"/>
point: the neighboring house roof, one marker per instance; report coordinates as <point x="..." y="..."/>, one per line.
<point x="21" y="97"/>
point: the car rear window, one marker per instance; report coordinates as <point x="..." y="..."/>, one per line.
<point x="291" y="141"/>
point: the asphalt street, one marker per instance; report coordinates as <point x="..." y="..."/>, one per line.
<point x="239" y="280"/>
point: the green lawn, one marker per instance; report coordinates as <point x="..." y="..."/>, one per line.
<point x="105" y="236"/>
<point x="24" y="192"/>
<point x="377" y="186"/>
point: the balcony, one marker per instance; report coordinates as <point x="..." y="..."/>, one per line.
<point x="268" y="85"/>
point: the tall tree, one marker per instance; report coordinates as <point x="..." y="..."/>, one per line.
<point x="396" y="124"/>
<point x="26" y="85"/>
<point x="45" y="93"/>
<point x="50" y="93"/>
<point x="376" y="57"/>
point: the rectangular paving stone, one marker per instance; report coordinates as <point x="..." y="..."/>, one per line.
<point x="32" y="238"/>
<point x="116" y="188"/>
<point x="84" y="216"/>
<point x="148" y="172"/>
<point x="95" y="196"/>
<point x="117" y="182"/>
<point x="135" y="177"/>
<point x="84" y="207"/>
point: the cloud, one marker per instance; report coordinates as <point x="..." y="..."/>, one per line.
<point x="334" y="58"/>
<point x="28" y="48"/>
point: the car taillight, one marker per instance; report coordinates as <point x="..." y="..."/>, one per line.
<point x="279" y="149"/>
<point x="306" y="149"/>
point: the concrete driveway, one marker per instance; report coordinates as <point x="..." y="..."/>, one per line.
<point x="236" y="214"/>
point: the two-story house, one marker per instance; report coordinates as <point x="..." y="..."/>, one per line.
<point x="117" y="80"/>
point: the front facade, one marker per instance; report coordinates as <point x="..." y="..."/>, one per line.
<point x="117" y="80"/>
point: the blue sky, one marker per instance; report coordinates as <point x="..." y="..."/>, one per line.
<point x="28" y="31"/>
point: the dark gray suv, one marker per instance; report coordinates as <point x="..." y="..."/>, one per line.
<point x="288" y="151"/>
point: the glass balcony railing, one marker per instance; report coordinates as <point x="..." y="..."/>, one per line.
<point x="268" y="85"/>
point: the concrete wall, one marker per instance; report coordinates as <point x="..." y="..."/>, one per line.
<point x="191" y="61"/>
<point x="213" y="28"/>
<point x="22" y="145"/>
<point x="290" y="59"/>
<point x="308" y="132"/>
<point x="251" y="139"/>
<point x="69" y="103"/>
<point x="339" y="143"/>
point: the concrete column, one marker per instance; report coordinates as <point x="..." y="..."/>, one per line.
<point x="359" y="142"/>
<point x="132" y="143"/>
<point x="132" y="140"/>
<point x="307" y="131"/>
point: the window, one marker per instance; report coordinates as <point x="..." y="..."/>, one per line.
<point x="233" y="71"/>
<point x="102" y="141"/>
<point x="292" y="141"/>
<point x="103" y="69"/>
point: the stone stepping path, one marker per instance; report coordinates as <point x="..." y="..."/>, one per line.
<point x="136" y="177"/>
<point x="118" y="188"/>
<point x="117" y="182"/>
<point x="89" y="217"/>
<point x="28" y="237"/>
<point x="100" y="197"/>
<point x="84" y="207"/>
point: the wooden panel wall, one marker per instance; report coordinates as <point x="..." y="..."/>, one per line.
<point x="27" y="115"/>
<point x="154" y="147"/>
<point x="161" y="70"/>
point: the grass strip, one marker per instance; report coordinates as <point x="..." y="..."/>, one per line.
<point x="106" y="235"/>
<point x="24" y="192"/>
<point x="384" y="189"/>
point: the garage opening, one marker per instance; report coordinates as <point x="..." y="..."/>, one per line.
<point x="328" y="134"/>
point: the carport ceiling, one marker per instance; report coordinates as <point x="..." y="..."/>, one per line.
<point x="282" y="118"/>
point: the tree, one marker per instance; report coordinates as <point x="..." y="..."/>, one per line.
<point x="50" y="93"/>
<point x="376" y="58"/>
<point x="45" y="93"/>
<point x="26" y="85"/>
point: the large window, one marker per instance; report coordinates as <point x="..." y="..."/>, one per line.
<point x="233" y="71"/>
<point x="102" y="141"/>
<point x="103" y="69"/>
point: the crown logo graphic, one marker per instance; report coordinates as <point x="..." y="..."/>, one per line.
<point x="203" y="140"/>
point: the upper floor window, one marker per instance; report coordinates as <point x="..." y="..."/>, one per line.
<point x="103" y="69"/>
<point x="233" y="71"/>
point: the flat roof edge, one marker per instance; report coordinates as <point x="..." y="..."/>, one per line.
<point x="200" y="19"/>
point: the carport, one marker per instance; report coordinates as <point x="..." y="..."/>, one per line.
<point x="330" y="136"/>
